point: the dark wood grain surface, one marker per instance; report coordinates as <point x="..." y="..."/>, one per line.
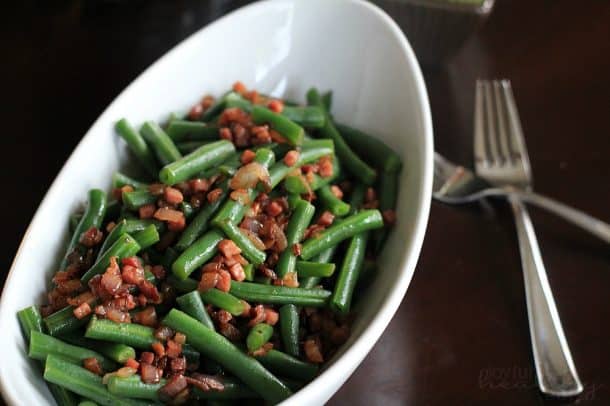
<point x="461" y="334"/>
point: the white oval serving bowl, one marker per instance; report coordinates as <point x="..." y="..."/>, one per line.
<point x="277" y="47"/>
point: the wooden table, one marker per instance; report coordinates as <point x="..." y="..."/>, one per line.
<point x="461" y="334"/>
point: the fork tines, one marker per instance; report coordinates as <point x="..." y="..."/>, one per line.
<point x="499" y="139"/>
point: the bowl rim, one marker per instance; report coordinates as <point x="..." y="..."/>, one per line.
<point x="370" y="335"/>
<point x="482" y="8"/>
<point x="388" y="307"/>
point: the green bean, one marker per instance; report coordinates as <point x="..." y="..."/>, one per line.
<point x="249" y="271"/>
<point x="62" y="396"/>
<point x="164" y="147"/>
<point x="327" y="100"/>
<point x="93" y="217"/>
<point x="298" y="184"/>
<point x="182" y="285"/>
<point x="294" y="384"/>
<point x="115" y="351"/>
<point x="299" y="221"/>
<point x="187" y="209"/>
<point x="310" y="282"/>
<point x="306" y="116"/>
<point x="248" y="249"/>
<point x="138" y="198"/>
<point x="233" y="100"/>
<point x="137" y="145"/>
<point x="380" y="155"/>
<point x="125" y="246"/>
<point x="233" y="210"/>
<point x="388" y="190"/>
<point x="30" y="320"/>
<point x="324" y="257"/>
<point x="224" y="300"/>
<point x="357" y="197"/>
<point x="221" y="350"/>
<point x="349" y="227"/>
<point x="262" y="280"/>
<point x="228" y="167"/>
<point x="74" y="220"/>
<point x="119" y="229"/>
<point x="186" y="147"/>
<point x="309" y="138"/>
<point x="133" y="387"/>
<point x="291" y="131"/>
<point x="278" y="149"/>
<point x="254" y="292"/>
<point x="131" y="334"/>
<point x="233" y="389"/>
<point x="81" y="381"/>
<point x="204" y="157"/>
<point x="336" y="206"/>
<point x="147" y="237"/>
<point x="200" y="222"/>
<point x="258" y="336"/>
<point x="293" y="199"/>
<point x="286" y="365"/>
<point x="87" y="402"/>
<point x="42" y="345"/>
<point x="126" y="214"/>
<point x="180" y="130"/>
<point x="200" y="252"/>
<point x="119" y="180"/>
<point x="63" y="321"/>
<point x="352" y="162"/>
<point x="192" y="305"/>
<point x="133" y="226"/>
<point x="289" y="328"/>
<point x="348" y="274"/>
<point x="149" y="276"/>
<point x="308" y="269"/>
<point x="172" y="116"/>
<point x="310" y="151"/>
<point x="215" y="109"/>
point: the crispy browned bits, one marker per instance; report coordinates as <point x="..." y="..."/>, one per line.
<point x="214" y="195"/>
<point x="291" y="158"/>
<point x="247" y="156"/>
<point x="389" y="217"/>
<point x="93" y="365"/>
<point x="277" y="106"/>
<point x="173" y="196"/>
<point x="92" y="237"/>
<point x="313" y="352"/>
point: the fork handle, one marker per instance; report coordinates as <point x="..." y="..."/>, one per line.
<point x="554" y="366"/>
<point x="589" y="223"/>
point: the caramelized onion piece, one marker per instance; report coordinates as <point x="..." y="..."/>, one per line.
<point x="248" y="176"/>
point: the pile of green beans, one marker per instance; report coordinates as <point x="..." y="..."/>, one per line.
<point x="328" y="253"/>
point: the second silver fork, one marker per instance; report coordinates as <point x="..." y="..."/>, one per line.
<point x="501" y="159"/>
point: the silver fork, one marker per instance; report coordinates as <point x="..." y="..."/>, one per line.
<point x="501" y="159"/>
